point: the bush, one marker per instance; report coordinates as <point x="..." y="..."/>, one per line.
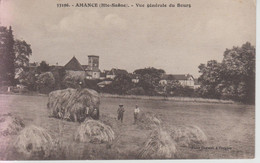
<point x="45" y="82"/>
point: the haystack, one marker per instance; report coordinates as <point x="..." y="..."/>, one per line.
<point x="73" y="104"/>
<point x="34" y="142"/>
<point x="148" y="120"/>
<point x="188" y="135"/>
<point x="95" y="132"/>
<point x="10" y="124"/>
<point x="158" y="146"/>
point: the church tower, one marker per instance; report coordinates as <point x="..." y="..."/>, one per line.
<point x="93" y="62"/>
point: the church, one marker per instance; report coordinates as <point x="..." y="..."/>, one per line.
<point x="90" y="71"/>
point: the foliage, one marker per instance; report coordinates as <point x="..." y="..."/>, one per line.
<point x="151" y="71"/>
<point x="28" y="78"/>
<point x="92" y="84"/>
<point x="59" y="74"/>
<point x="149" y="79"/>
<point x="22" y="53"/>
<point x="44" y="67"/>
<point x="74" y="80"/>
<point x="233" y="78"/>
<point x="45" y="82"/>
<point x="120" y="85"/>
<point x="211" y="76"/>
<point x="7" y="56"/>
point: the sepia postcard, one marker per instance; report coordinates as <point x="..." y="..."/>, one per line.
<point x="127" y="79"/>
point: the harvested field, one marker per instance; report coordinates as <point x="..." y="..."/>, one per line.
<point x="229" y="128"/>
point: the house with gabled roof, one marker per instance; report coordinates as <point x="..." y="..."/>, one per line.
<point x="183" y="79"/>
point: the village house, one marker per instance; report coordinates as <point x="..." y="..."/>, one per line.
<point x="183" y="79"/>
<point x="135" y="77"/>
<point x="114" y="72"/>
<point x="196" y="84"/>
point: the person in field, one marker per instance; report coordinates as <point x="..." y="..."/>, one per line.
<point x="136" y="113"/>
<point x="120" y="112"/>
<point x="95" y="114"/>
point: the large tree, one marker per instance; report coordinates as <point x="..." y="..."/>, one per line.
<point x="120" y="85"/>
<point x="149" y="79"/>
<point x="233" y="78"/>
<point x="22" y="53"/>
<point x="44" y="67"/>
<point x="7" y="56"/>
<point x="239" y="73"/>
<point x="210" y="78"/>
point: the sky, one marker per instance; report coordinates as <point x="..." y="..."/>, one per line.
<point x="177" y="40"/>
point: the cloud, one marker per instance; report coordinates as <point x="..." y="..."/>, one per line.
<point x="82" y="21"/>
<point x="114" y="21"/>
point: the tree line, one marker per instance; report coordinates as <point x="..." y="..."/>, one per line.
<point x="232" y="78"/>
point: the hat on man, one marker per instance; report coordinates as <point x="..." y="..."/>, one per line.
<point x="121" y="104"/>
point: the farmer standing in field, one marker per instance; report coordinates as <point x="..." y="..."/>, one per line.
<point x="120" y="112"/>
<point x="136" y="113"/>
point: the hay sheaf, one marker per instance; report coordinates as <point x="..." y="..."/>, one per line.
<point x="10" y="124"/>
<point x="34" y="142"/>
<point x="95" y="132"/>
<point x="188" y="135"/>
<point x="158" y="146"/>
<point x="148" y="120"/>
<point x="72" y="104"/>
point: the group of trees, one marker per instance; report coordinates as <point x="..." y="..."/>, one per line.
<point x="43" y="78"/>
<point x="148" y="84"/>
<point x="14" y="56"/>
<point x="233" y="78"/>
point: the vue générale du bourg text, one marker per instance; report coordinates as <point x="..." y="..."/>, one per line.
<point x="123" y="5"/>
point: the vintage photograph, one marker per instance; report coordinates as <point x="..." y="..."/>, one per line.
<point x="127" y="79"/>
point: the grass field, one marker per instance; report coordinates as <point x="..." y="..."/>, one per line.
<point x="229" y="127"/>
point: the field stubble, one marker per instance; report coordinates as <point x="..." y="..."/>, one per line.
<point x="230" y="128"/>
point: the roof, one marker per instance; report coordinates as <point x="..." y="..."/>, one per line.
<point x="102" y="74"/>
<point x="177" y="77"/>
<point x="74" y="65"/>
<point x="93" y="56"/>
